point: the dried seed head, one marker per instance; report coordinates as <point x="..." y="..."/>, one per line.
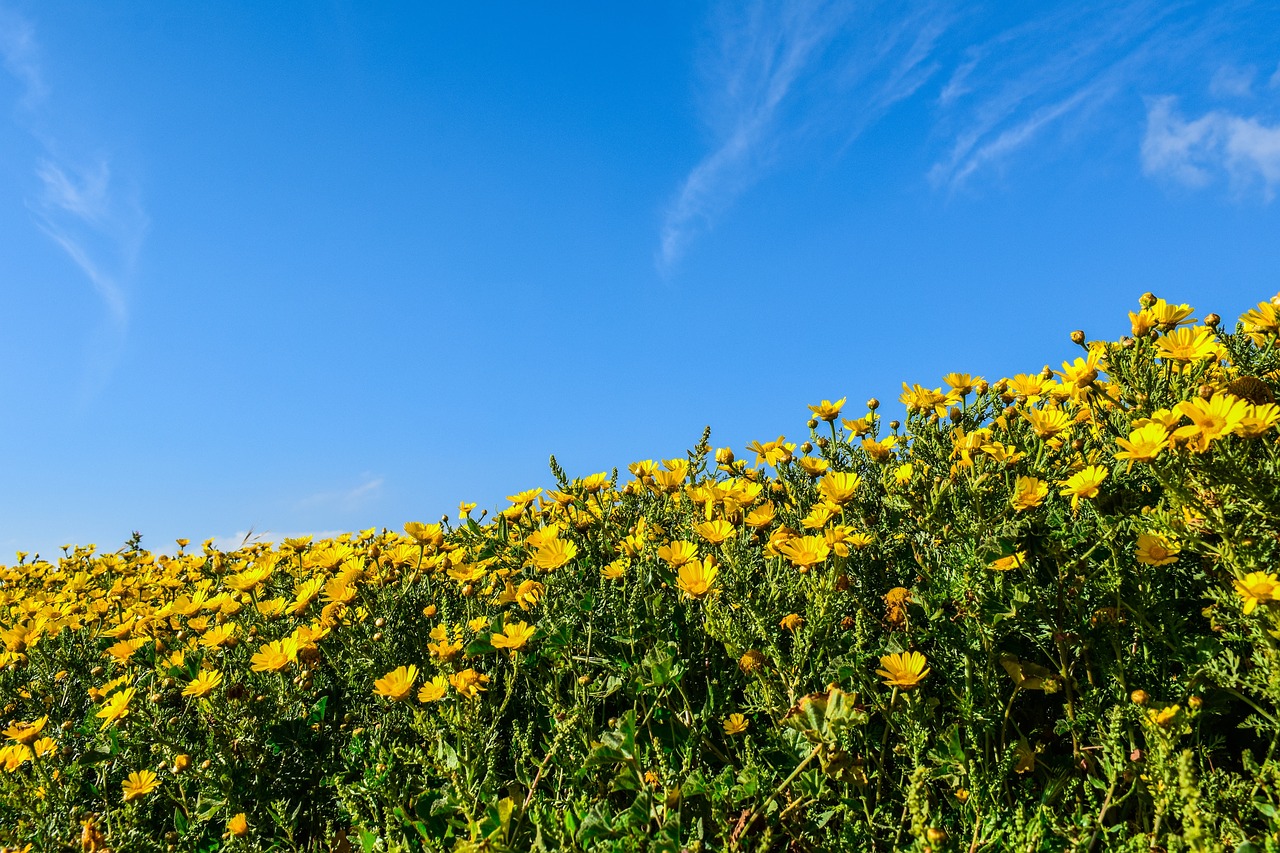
<point x="1251" y="388"/>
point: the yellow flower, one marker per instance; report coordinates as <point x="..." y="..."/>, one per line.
<point x="139" y="784"/>
<point x="1047" y="422"/>
<point x="677" y="553"/>
<point x="751" y="661"/>
<point x="469" y="683"/>
<point x="860" y="426"/>
<point x="272" y="607"/>
<point x="805" y="551"/>
<point x="434" y="690"/>
<point x="1028" y="492"/>
<point x="26" y="733"/>
<point x="819" y="516"/>
<point x="431" y="534"/>
<point x="466" y="573"/>
<point x="669" y="481"/>
<point x="1212" y="419"/>
<point x="813" y="466"/>
<point x="14" y="755"/>
<point x="1261" y="322"/>
<point x="217" y="636"/>
<point x="1258" y="419"/>
<point x="1188" y="345"/>
<point x="827" y="410"/>
<point x="696" y="577"/>
<point x="203" y="684"/>
<point x="896" y="602"/>
<point x="1168" y="316"/>
<point x="1083" y="484"/>
<point x="1164" y="717"/>
<point x="773" y="453"/>
<point x="961" y="383"/>
<point x="881" y="450"/>
<point x="395" y="685"/>
<point x="716" y="531"/>
<point x="1141" y="323"/>
<point x="1143" y="444"/>
<point x="513" y="636"/>
<point x="441" y="646"/>
<point x="1156" y="550"/>
<point x="181" y="762"/>
<point x="529" y="593"/>
<point x="904" y="670"/>
<point x="735" y="724"/>
<point x="917" y="398"/>
<point x="478" y="624"/>
<point x="275" y="656"/>
<point x="839" y="486"/>
<point x="553" y="554"/>
<point x="1258" y="588"/>
<point x="1012" y="561"/>
<point x="250" y="578"/>
<point x="615" y="570"/>
<point x="760" y="517"/>
<point x="117" y="707"/>
<point x="238" y="826"/>
<point x="792" y="622"/>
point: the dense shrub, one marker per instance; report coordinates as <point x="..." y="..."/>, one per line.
<point x="1043" y="614"/>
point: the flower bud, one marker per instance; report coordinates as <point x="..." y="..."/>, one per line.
<point x="936" y="835"/>
<point x="1194" y="702"/>
<point x="724" y="456"/>
<point x="955" y="414"/>
<point x="1212" y="321"/>
<point x="873" y="404"/>
<point x="1205" y="392"/>
<point x="806" y="448"/>
<point x="895" y="425"/>
<point x="812" y="423"/>
<point x="1147" y="299"/>
<point x="1077" y="337"/>
<point x="1138" y="697"/>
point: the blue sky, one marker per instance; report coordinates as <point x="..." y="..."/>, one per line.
<point x="308" y="267"/>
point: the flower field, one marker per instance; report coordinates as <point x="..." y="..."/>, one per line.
<point x="1042" y="614"/>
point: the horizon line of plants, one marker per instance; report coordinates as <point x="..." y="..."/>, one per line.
<point x="1041" y="614"/>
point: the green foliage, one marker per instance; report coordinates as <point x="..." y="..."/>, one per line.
<point x="1042" y="615"/>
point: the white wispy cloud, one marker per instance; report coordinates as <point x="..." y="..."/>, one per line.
<point x="773" y="73"/>
<point x="79" y="204"/>
<point x="1057" y="67"/>
<point x="345" y="499"/>
<point x="780" y="75"/>
<point x="1232" y="81"/>
<point x="1196" y="151"/>
<point x="21" y="56"/>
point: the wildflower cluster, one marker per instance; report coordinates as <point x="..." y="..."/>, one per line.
<point x="1043" y="612"/>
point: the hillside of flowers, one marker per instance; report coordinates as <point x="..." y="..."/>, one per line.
<point x="1041" y="614"/>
